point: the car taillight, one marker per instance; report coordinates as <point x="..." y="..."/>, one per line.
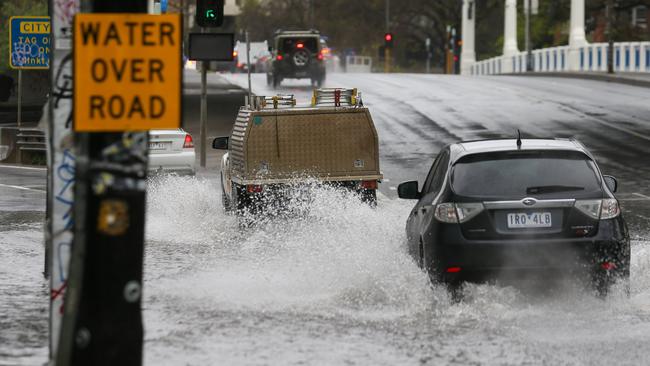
<point x="609" y="209"/>
<point x="279" y="57"/>
<point x="320" y="56"/>
<point x="189" y="143"/>
<point x="453" y="213"/>
<point x="467" y="211"/>
<point x="454" y="269"/>
<point x="599" y="209"/>
<point x="254" y="188"/>
<point x="446" y="212"/>
<point x="368" y="184"/>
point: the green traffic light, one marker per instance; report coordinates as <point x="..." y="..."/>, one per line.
<point x="210" y="14"/>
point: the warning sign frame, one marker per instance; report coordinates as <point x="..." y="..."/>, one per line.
<point x="114" y="82"/>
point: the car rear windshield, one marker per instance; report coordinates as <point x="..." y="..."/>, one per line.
<point x="525" y="173"/>
<point x="290" y="45"/>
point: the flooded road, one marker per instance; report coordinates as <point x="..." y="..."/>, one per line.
<point x="335" y="285"/>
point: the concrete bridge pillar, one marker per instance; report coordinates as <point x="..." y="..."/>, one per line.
<point x="468" y="54"/>
<point x="510" y="35"/>
<point x="577" y="34"/>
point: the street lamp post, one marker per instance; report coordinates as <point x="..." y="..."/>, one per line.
<point x="529" y="48"/>
<point x="609" y="11"/>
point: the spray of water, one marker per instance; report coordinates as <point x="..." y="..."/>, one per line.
<point x="340" y="269"/>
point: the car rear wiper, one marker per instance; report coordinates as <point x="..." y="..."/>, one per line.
<point x="552" y="189"/>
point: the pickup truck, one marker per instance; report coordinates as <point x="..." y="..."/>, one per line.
<point x="275" y="144"/>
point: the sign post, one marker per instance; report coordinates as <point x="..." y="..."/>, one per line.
<point x="61" y="163"/>
<point x="127" y="80"/>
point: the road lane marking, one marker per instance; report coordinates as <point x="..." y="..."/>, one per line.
<point x="21" y="167"/>
<point x="22" y="188"/>
<point x="642" y="195"/>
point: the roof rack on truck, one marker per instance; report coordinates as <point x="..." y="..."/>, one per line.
<point x="336" y="97"/>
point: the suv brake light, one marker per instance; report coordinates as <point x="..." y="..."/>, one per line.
<point x="189" y="143"/>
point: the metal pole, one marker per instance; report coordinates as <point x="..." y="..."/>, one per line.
<point x="311" y="14"/>
<point x="20" y="98"/>
<point x="248" y="62"/>
<point x="387" y="16"/>
<point x="529" y="49"/>
<point x="610" y="36"/>
<point x="427" y="43"/>
<point x="204" y="112"/>
<point x="102" y="320"/>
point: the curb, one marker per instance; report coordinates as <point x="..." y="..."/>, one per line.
<point x="615" y="78"/>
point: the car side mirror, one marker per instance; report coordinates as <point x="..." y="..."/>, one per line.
<point x="409" y="190"/>
<point x="220" y="143"/>
<point x="611" y="183"/>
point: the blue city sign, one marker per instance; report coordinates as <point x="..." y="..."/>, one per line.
<point x="29" y="42"/>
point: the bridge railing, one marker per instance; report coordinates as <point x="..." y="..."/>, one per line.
<point x="628" y="57"/>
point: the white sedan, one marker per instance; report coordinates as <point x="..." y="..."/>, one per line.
<point x="171" y="151"/>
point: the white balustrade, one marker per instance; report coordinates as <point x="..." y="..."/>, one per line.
<point x="628" y="57"/>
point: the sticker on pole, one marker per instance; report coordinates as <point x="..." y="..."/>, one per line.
<point x="127" y="72"/>
<point x="29" y="42"/>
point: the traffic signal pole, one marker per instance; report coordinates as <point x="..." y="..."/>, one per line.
<point x="102" y="320"/>
<point x="204" y="112"/>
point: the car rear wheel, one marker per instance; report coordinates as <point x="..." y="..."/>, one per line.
<point x="602" y="281"/>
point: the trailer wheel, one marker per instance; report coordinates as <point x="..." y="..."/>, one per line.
<point x="369" y="196"/>
<point x="225" y="202"/>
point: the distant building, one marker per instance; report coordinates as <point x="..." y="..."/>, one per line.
<point x="640" y="16"/>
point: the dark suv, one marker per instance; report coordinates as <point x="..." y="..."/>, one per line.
<point x="296" y="55"/>
<point x="492" y="208"/>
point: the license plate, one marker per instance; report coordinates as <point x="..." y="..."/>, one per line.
<point x="157" y="146"/>
<point x="523" y="220"/>
<point x="301" y="73"/>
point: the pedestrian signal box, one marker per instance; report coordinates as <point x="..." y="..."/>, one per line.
<point x="209" y="13"/>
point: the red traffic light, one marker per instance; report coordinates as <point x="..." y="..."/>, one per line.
<point x="388" y="37"/>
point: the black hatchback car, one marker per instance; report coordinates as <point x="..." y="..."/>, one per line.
<point x="515" y="208"/>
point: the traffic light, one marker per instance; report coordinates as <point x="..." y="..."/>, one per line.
<point x="388" y="40"/>
<point x="209" y="13"/>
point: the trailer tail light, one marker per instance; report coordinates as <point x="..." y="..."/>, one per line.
<point x="279" y="57"/>
<point x="189" y="143"/>
<point x="368" y="184"/>
<point x="453" y="270"/>
<point x="608" y="266"/>
<point x="254" y="188"/>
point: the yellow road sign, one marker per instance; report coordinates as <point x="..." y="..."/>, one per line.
<point x="127" y="72"/>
